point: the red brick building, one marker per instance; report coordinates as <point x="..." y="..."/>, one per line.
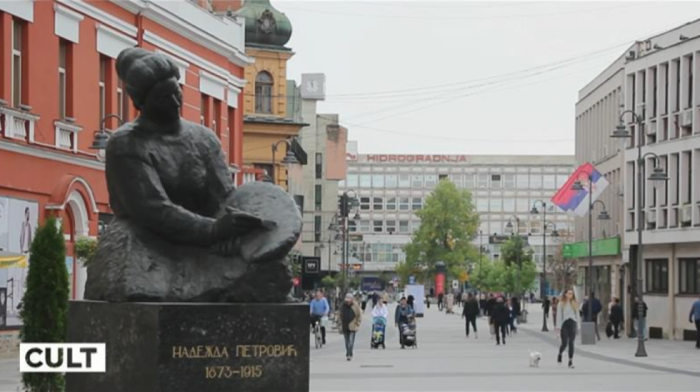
<point x="57" y="61"/>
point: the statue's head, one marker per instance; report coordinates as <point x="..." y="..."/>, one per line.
<point x="152" y="82"/>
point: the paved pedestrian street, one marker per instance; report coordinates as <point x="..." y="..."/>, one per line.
<point x="446" y="360"/>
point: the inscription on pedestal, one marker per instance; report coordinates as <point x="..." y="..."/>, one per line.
<point x="197" y="347"/>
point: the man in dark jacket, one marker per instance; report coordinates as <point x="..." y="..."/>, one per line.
<point x="597" y="308"/>
<point x="471" y="312"/>
<point x="490" y="303"/>
<point x="500" y="317"/>
<point x="617" y="317"/>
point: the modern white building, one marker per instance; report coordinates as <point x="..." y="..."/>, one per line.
<point x="660" y="84"/>
<point x="324" y="140"/>
<point x="392" y="187"/>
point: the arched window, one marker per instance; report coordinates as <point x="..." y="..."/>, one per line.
<point x="263" y="93"/>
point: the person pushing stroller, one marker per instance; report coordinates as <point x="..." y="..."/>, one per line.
<point x="403" y="317"/>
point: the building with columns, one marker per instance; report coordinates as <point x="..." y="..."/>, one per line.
<point x="656" y="78"/>
<point x="58" y="82"/>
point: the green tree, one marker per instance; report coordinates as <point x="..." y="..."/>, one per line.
<point x="85" y="248"/>
<point x="45" y="305"/>
<point x="520" y="270"/>
<point x="448" y="223"/>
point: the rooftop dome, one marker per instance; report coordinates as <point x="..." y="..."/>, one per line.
<point x="265" y="25"/>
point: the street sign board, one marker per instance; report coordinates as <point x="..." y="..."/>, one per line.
<point x="411" y="279"/>
<point x="311" y="265"/>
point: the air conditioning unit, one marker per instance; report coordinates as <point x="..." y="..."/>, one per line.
<point x="686" y="214"/>
<point x="651" y="129"/>
<point x="687" y="118"/>
<point x="651" y="216"/>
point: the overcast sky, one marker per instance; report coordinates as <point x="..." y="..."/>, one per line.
<point x="465" y="77"/>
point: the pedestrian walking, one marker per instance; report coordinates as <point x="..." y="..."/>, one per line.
<point x="695" y="316"/>
<point x="350" y="319"/>
<point x="568" y="314"/>
<point x="402" y="316"/>
<point x="555" y="304"/>
<point x="441" y="298"/>
<point x="597" y="308"/>
<point x="375" y="299"/>
<point x="449" y="303"/>
<point x="500" y="317"/>
<point x="617" y="317"/>
<point x="470" y="313"/>
<point x="546" y="304"/>
<point x="365" y="299"/>
<point x="635" y="316"/>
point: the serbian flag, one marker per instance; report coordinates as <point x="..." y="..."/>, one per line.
<point x="576" y="202"/>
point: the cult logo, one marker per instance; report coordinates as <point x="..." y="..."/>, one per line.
<point x="62" y="358"/>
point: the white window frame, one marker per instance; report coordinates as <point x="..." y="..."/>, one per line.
<point x="62" y="78"/>
<point x="16" y="93"/>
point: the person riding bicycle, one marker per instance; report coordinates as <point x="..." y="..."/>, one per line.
<point x="319" y="309"/>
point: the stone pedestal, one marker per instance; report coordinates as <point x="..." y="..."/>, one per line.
<point x="173" y="347"/>
<point x="588" y="333"/>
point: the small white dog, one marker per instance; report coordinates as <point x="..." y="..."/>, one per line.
<point x="535" y="357"/>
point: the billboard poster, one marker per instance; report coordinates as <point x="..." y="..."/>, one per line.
<point x="418" y="293"/>
<point x="18" y="222"/>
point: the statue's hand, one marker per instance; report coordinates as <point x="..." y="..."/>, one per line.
<point x="235" y="223"/>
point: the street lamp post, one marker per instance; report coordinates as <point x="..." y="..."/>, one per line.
<point x="555" y="233"/>
<point x="578" y="186"/>
<point x="288" y="159"/>
<point x="345" y="205"/>
<point x="101" y="137"/>
<point x="658" y="174"/>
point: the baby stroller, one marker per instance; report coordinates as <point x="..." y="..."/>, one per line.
<point x="408" y="334"/>
<point x="378" y="332"/>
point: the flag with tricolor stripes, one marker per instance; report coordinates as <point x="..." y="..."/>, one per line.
<point x="576" y="202"/>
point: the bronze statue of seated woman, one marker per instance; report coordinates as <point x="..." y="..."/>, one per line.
<point x="182" y="232"/>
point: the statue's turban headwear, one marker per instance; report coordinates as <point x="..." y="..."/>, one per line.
<point x="141" y="70"/>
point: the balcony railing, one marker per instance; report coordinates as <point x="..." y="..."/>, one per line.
<point x="17" y="124"/>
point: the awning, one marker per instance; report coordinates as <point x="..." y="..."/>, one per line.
<point x="12" y="260"/>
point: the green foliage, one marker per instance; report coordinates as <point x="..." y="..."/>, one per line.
<point x="85" y="248"/>
<point x="329" y="282"/>
<point x="45" y="305"/>
<point x="516" y="273"/>
<point x="448" y="223"/>
<point x="354" y="282"/>
<point x="384" y="278"/>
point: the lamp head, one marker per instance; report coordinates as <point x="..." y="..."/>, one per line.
<point x="658" y="175"/>
<point x="290" y="159"/>
<point x="555" y="233"/>
<point x="621" y="132"/>
<point x="100" y="140"/>
<point x="604" y="215"/>
<point x="534" y="211"/>
<point x="578" y="186"/>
